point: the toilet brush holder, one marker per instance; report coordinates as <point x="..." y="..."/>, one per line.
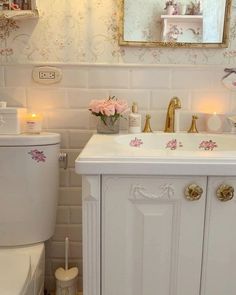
<point x="66" y="279"/>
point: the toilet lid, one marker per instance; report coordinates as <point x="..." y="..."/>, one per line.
<point x="14" y="273"/>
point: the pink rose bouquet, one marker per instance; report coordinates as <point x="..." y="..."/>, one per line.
<point x="111" y="107"/>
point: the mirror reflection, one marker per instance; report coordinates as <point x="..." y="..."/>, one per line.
<point x="160" y="21"/>
<point x="15" y="4"/>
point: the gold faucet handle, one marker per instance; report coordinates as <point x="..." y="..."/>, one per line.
<point x="147" y="127"/>
<point x="193" y="127"/>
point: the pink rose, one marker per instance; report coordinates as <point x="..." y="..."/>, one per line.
<point x="121" y="106"/>
<point x="108" y="108"/>
<point x="96" y="106"/>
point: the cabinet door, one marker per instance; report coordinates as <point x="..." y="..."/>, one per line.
<point x="219" y="264"/>
<point x="151" y="236"/>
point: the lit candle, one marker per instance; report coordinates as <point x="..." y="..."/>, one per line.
<point x="214" y="123"/>
<point x="33" y="123"/>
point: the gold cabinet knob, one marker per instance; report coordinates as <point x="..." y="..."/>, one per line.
<point x="225" y="193"/>
<point x="193" y="192"/>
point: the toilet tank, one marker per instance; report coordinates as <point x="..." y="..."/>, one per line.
<point x="28" y="187"/>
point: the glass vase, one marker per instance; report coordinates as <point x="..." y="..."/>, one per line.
<point x="170" y="9"/>
<point x="109" y="125"/>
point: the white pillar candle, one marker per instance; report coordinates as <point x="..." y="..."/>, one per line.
<point x="33" y="123"/>
<point x="214" y="123"/>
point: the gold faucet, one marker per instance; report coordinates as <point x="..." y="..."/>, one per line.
<point x="170" y="115"/>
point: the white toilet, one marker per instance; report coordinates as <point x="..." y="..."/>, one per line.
<point x="28" y="200"/>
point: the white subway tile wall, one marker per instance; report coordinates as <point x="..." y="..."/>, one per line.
<point x="65" y="109"/>
<point x="160" y="97"/>
<point x="14" y="96"/>
<point x="46" y="98"/>
<point x="150" y="78"/>
<point x="108" y="78"/>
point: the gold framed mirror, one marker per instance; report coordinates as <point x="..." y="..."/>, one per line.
<point x="190" y="24"/>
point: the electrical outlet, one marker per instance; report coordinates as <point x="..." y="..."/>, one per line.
<point x="47" y="75"/>
<point x="51" y="75"/>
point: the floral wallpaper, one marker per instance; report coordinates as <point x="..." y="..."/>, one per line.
<point x="86" y="31"/>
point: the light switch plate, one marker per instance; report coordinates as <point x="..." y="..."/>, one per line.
<point x="47" y="75"/>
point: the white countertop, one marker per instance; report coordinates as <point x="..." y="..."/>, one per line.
<point x="112" y="154"/>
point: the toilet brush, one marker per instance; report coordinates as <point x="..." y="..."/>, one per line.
<point x="66" y="252"/>
<point x="66" y="278"/>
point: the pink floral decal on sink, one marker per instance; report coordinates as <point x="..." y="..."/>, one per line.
<point x="208" y="145"/>
<point x="37" y="155"/>
<point x="173" y="144"/>
<point x="136" y="142"/>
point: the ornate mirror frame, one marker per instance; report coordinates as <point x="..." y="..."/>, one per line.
<point x="223" y="44"/>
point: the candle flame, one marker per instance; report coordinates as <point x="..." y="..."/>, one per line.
<point x="34" y="116"/>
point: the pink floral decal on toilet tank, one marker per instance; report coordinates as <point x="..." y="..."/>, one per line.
<point x="37" y="155"/>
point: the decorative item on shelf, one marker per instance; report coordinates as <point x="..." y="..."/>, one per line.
<point x="194" y="8"/>
<point x="109" y="111"/>
<point x="5" y="6"/>
<point x="33" y="123"/>
<point x="214" y="122"/>
<point x="182" y="8"/>
<point x="26" y="5"/>
<point x="8" y="5"/>
<point x="171" y="7"/>
<point x="13" y="5"/>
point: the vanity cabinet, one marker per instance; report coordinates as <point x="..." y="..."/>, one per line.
<point x="167" y="235"/>
<point x="219" y="255"/>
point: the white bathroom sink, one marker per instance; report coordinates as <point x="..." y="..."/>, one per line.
<point x="159" y="153"/>
<point x="179" y="141"/>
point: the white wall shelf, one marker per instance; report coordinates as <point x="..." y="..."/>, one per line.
<point x="183" y="18"/>
<point x="19" y="14"/>
<point x="182" y="28"/>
